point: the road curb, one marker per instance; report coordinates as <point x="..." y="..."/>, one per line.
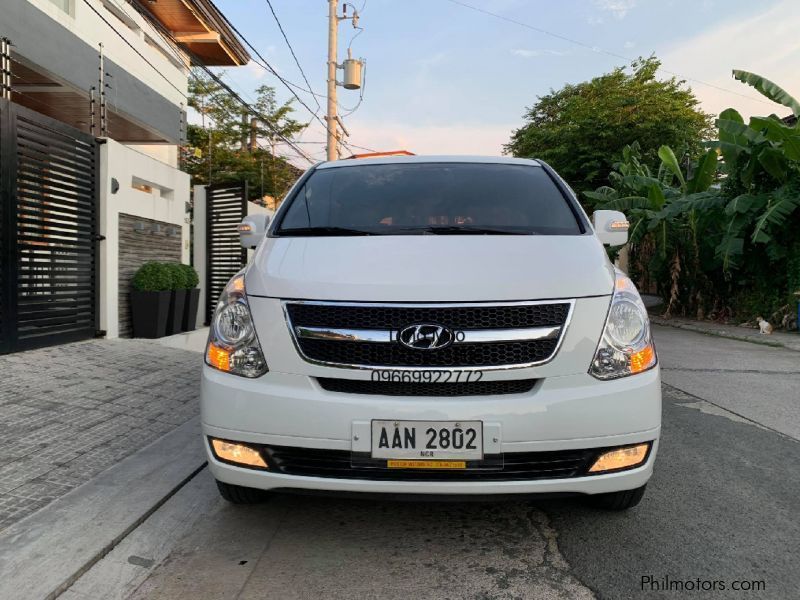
<point x="724" y="332"/>
<point x="45" y="553"/>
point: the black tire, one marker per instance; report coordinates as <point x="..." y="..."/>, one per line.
<point x="236" y="494"/>
<point x="618" y="500"/>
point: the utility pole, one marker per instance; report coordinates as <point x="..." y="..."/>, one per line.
<point x="253" y="135"/>
<point x="332" y="124"/>
<point x="352" y="73"/>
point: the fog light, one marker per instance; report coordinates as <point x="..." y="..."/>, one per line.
<point x="621" y="458"/>
<point x="241" y="454"/>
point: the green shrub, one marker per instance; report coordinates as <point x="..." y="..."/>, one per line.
<point x="190" y="277"/>
<point x="178" y="276"/>
<point x="153" y="277"/>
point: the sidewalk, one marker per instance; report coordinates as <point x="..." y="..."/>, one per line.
<point x="69" y="412"/>
<point x="778" y="339"/>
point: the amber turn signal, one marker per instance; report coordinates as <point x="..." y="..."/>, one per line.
<point x="241" y="454"/>
<point x="621" y="458"/>
<point x="218" y="357"/>
<point x="642" y="360"/>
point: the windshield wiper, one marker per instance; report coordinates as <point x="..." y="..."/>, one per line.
<point x="465" y="230"/>
<point x="324" y="231"/>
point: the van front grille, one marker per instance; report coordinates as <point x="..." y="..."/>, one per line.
<point x="420" y="388"/>
<point x="511" y="466"/>
<point x="366" y="316"/>
<point x="358" y="334"/>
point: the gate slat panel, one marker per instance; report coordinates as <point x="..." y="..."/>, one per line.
<point x="226" y="207"/>
<point x="50" y="222"/>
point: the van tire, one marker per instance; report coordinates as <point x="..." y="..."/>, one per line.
<point x="618" y="500"/>
<point x="236" y="494"/>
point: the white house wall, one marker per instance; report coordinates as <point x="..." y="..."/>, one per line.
<point x="167" y="203"/>
<point x="88" y="26"/>
<point x="65" y="46"/>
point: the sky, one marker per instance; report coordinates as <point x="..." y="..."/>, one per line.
<point x="443" y="78"/>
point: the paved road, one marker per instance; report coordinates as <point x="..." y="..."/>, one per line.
<point x="722" y="508"/>
<point x="69" y="412"/>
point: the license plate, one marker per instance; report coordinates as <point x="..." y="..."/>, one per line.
<point x="428" y="440"/>
<point x="425" y="376"/>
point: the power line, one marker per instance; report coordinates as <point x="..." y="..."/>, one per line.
<point x="132" y="47"/>
<point x="196" y="60"/>
<point x="594" y="48"/>
<point x="297" y="62"/>
<point x="256" y="113"/>
<point x="264" y="64"/>
<point x="212" y="99"/>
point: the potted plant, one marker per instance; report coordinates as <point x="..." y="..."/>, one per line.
<point x="177" y="298"/>
<point x="150" y="298"/>
<point x="192" y="298"/>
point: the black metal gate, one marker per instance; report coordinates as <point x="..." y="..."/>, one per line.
<point x="226" y="206"/>
<point x="48" y="231"/>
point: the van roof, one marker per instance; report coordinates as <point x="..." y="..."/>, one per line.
<point x="384" y="160"/>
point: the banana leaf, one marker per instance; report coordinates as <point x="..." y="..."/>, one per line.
<point x="703" y="176"/>
<point x="667" y="156"/>
<point x="773" y="162"/>
<point x="769" y="89"/>
<point x="782" y="203"/>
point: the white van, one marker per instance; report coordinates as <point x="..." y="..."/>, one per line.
<point x="432" y="326"/>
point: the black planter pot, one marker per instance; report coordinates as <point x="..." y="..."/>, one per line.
<point x="177" y="301"/>
<point x="149" y="311"/>
<point x="190" y="310"/>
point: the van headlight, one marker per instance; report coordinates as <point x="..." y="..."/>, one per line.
<point x="232" y="341"/>
<point x="626" y="346"/>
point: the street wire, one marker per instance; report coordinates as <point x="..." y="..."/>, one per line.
<point x="198" y="61"/>
<point x="132" y="47"/>
<point x="596" y="49"/>
<point x="264" y="64"/>
<point x="297" y="62"/>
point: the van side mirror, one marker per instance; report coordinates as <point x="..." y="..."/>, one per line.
<point x="252" y="230"/>
<point x="611" y="227"/>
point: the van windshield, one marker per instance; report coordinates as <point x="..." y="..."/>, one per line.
<point x="429" y="198"/>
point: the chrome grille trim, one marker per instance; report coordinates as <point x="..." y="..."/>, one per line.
<point x="378" y="336"/>
<point x="470" y="336"/>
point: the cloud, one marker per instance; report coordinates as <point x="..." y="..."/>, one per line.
<point x="766" y="43"/>
<point x="629" y="44"/>
<point x="524" y="53"/>
<point x="618" y="8"/>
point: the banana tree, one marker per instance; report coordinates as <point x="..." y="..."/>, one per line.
<point x="763" y="165"/>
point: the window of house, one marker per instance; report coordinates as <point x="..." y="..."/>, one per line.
<point x="65" y="5"/>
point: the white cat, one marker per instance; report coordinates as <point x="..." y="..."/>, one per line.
<point x="764" y="326"/>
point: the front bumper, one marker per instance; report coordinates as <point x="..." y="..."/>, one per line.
<point x="560" y="413"/>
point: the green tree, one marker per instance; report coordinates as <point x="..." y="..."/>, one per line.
<point x="218" y="148"/>
<point x="581" y="129"/>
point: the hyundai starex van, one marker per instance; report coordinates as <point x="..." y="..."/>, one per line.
<point x="432" y="326"/>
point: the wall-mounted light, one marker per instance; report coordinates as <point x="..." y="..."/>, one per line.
<point x="139" y="227"/>
<point x="174" y="232"/>
<point x="156" y="228"/>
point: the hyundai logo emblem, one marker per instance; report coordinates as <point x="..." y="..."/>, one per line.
<point x="426" y="336"/>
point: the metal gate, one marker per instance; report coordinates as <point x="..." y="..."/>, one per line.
<point x="48" y="231"/>
<point x="226" y="206"/>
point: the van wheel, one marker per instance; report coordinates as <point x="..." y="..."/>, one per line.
<point x="237" y="494"/>
<point x="618" y="500"/>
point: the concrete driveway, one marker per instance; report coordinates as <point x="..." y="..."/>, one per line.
<point x="721" y="511"/>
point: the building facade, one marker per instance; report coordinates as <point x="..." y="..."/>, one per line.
<point x="105" y="80"/>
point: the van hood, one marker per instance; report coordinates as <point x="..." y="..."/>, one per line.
<point x="430" y="268"/>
